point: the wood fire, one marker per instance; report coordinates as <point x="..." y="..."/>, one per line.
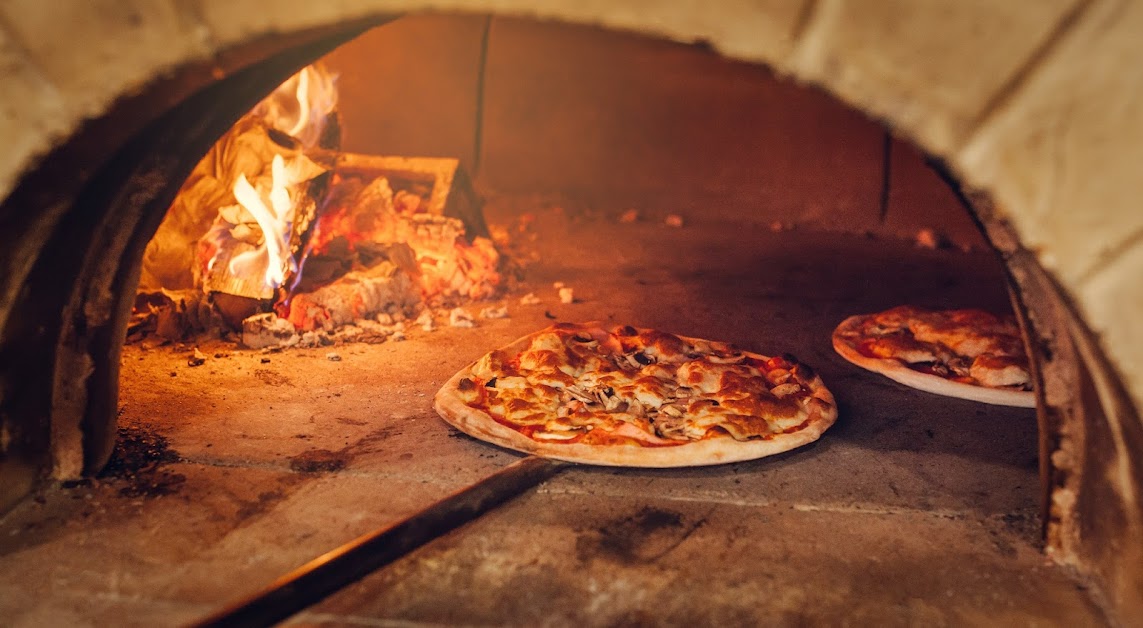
<point x="295" y="240"/>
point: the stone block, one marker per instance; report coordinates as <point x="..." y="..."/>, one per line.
<point x="33" y="113"/>
<point x="234" y="22"/>
<point x="930" y="67"/>
<point x="759" y="30"/>
<point x="1061" y="158"/>
<point x="1111" y="301"/>
<point x="95" y="52"/>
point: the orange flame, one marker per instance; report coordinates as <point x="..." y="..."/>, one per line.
<point x="301" y="105"/>
<point x="272" y="259"/>
<point x="268" y="198"/>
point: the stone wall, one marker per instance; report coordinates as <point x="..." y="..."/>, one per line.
<point x="619" y="121"/>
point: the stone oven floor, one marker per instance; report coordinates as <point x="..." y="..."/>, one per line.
<point x="912" y="509"/>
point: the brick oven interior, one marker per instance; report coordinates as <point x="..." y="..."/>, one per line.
<point x="796" y="212"/>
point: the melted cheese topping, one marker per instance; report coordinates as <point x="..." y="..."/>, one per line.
<point x="650" y="388"/>
<point x="973" y="346"/>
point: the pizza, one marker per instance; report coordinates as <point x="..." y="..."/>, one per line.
<point x="625" y="396"/>
<point x="971" y="354"/>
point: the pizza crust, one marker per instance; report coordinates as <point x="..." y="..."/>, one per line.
<point x="901" y="373"/>
<point x="712" y="451"/>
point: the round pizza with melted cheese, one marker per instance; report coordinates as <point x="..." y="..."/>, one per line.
<point x="626" y="396"/>
<point x="968" y="353"/>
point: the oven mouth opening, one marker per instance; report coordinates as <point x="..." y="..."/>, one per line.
<point x="687" y="256"/>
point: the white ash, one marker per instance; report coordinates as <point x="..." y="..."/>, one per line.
<point x="567" y="295"/>
<point x="267" y="330"/>
<point x="313" y="339"/>
<point x="333" y="356"/>
<point x="373" y="332"/>
<point x="460" y="317"/>
<point x="494" y="311"/>
<point x="530" y="299"/>
<point x="398" y="335"/>
<point x="348" y="333"/>
<point x="385" y="318"/>
<point x="425" y="320"/>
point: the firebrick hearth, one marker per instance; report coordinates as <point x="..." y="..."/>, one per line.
<point x="230" y="297"/>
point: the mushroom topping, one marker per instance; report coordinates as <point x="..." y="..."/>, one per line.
<point x="734" y="358"/>
<point x="785" y="390"/>
<point x="580" y="395"/>
<point x="638" y="360"/>
<point x="674" y="430"/>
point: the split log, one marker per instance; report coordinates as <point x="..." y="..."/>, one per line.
<point x="357" y="295"/>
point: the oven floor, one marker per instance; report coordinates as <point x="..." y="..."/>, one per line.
<point x="912" y="509"/>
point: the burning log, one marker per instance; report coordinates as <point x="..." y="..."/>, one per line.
<point x="444" y="262"/>
<point x="358" y="295"/>
<point x="450" y="190"/>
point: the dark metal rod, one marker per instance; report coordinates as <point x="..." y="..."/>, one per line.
<point x="334" y="570"/>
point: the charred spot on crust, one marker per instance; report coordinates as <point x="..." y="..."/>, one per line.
<point x="803" y="372"/>
<point x="790" y="357"/>
<point x="642" y="358"/>
<point x="626" y="330"/>
<point x="465" y="384"/>
<point x="581" y="337"/>
<point x="491" y="383"/>
<point x="566" y="326"/>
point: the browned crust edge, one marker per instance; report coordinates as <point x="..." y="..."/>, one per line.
<point x="900" y="373"/>
<point x="481" y="425"/>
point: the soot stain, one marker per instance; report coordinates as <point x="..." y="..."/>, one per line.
<point x="265" y="501"/>
<point x="319" y="461"/>
<point x="137" y="463"/>
<point x="641" y="538"/>
<point x="270" y="377"/>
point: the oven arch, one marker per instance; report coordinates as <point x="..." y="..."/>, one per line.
<point x="886" y="59"/>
